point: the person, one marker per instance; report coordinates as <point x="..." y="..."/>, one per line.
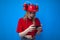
<point x="29" y="25"/>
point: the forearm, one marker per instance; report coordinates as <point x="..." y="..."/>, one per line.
<point x="38" y="32"/>
<point x="29" y="29"/>
<point x="23" y="33"/>
<point x="39" y="29"/>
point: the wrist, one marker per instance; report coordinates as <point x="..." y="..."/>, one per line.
<point x="27" y="30"/>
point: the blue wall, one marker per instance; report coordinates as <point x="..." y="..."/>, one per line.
<point x="12" y="10"/>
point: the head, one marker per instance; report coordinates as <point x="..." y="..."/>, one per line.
<point x="31" y="10"/>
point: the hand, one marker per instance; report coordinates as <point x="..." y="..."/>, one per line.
<point x="30" y="28"/>
<point x="39" y="29"/>
<point x="28" y="36"/>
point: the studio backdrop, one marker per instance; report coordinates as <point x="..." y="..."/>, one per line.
<point x="48" y="14"/>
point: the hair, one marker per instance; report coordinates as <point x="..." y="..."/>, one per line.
<point x="26" y="16"/>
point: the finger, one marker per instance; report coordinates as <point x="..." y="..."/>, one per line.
<point x="39" y="27"/>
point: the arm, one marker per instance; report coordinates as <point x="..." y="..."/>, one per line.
<point x="29" y="29"/>
<point x="23" y="33"/>
<point x="39" y="30"/>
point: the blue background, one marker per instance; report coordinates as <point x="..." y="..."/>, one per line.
<point x="48" y="14"/>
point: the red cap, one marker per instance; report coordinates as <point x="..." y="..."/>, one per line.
<point x="30" y="7"/>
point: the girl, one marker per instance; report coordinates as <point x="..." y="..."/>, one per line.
<point x="29" y="25"/>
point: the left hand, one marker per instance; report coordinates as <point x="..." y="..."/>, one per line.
<point x="39" y="30"/>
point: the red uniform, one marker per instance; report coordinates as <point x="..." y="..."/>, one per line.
<point x="24" y="24"/>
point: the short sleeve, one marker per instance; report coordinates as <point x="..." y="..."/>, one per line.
<point x="38" y="22"/>
<point x="19" y="26"/>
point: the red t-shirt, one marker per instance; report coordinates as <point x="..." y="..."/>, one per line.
<point x="24" y="24"/>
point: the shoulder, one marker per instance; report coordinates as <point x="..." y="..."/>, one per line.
<point x="20" y="19"/>
<point x="36" y="19"/>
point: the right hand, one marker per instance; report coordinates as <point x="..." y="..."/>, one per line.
<point x="28" y="36"/>
<point x="30" y="28"/>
